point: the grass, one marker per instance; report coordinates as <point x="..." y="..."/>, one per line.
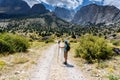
<point x="37" y="44"/>
<point x="20" y="60"/>
<point x="2" y="64"/>
<point x="101" y="65"/>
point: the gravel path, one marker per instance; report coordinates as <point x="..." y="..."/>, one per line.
<point x="50" y="68"/>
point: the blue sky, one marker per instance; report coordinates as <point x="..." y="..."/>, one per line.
<point x="73" y="4"/>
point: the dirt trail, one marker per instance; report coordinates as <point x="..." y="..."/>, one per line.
<point x="49" y="67"/>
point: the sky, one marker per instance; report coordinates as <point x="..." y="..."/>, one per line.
<point x="72" y="4"/>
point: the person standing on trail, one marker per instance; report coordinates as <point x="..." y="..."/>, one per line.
<point x="65" y="47"/>
<point x="66" y="50"/>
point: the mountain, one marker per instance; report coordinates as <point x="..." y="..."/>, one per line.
<point x="13" y="7"/>
<point x="96" y="14"/>
<point x="64" y="14"/>
<point x="48" y="6"/>
<point x="38" y="9"/>
<point x="19" y="8"/>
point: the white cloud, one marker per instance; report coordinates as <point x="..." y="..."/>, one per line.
<point x="97" y="0"/>
<point x="72" y="4"/>
<point x="112" y="2"/>
<point x="68" y="3"/>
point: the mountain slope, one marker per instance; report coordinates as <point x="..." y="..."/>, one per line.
<point x="64" y="14"/>
<point x="95" y="14"/>
<point x="13" y="7"/>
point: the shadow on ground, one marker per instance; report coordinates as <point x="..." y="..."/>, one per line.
<point x="70" y="65"/>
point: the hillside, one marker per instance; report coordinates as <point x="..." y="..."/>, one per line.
<point x="44" y="24"/>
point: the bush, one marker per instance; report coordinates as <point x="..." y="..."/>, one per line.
<point x="4" y="46"/>
<point x="49" y="40"/>
<point x="113" y="77"/>
<point x="93" y="48"/>
<point x="116" y="42"/>
<point x="13" y="43"/>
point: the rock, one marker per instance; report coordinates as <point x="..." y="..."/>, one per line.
<point x="116" y="50"/>
<point x="89" y="69"/>
<point x="17" y="72"/>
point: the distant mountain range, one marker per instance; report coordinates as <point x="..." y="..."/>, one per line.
<point x="96" y="14"/>
<point x="16" y="8"/>
<point x="87" y="14"/>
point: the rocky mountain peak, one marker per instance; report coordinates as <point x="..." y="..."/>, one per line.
<point x="64" y="14"/>
<point x="95" y="14"/>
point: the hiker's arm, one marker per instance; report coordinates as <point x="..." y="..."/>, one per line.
<point x="61" y="46"/>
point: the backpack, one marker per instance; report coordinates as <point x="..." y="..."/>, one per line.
<point x="67" y="47"/>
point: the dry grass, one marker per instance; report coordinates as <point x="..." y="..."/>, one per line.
<point x="19" y="64"/>
<point x="20" y="60"/>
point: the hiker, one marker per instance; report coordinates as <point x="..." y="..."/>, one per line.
<point x="66" y="49"/>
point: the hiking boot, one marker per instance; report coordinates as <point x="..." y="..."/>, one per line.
<point x="65" y="63"/>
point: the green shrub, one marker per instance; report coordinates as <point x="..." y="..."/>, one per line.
<point x="49" y="40"/>
<point x="93" y="48"/>
<point x="4" y="46"/>
<point x="13" y="43"/>
<point x="113" y="77"/>
<point x="116" y="42"/>
<point x="46" y="41"/>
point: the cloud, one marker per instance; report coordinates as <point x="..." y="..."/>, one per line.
<point x="115" y="3"/>
<point x="71" y="4"/>
<point x="97" y="0"/>
<point x="64" y="3"/>
<point x="112" y="2"/>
